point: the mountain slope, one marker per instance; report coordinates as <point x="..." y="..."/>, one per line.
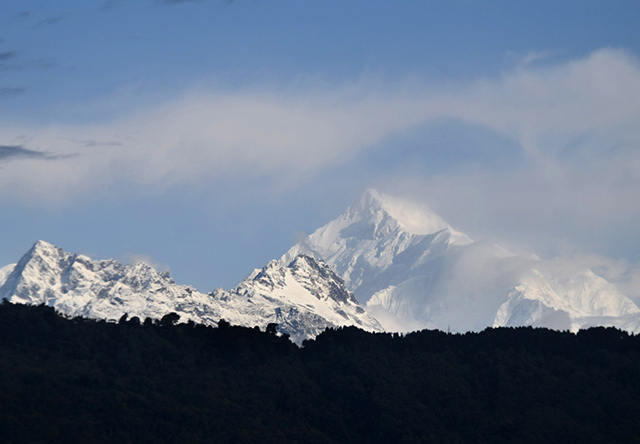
<point x="413" y="271"/>
<point x="5" y="272"/>
<point x="304" y="297"/>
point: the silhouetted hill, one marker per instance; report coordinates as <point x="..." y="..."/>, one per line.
<point x="75" y="380"/>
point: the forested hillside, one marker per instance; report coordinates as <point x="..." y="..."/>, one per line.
<point x="75" y="380"/>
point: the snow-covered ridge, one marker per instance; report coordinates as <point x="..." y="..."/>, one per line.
<point x="304" y="297"/>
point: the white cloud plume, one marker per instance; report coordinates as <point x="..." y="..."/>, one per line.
<point x="582" y="113"/>
<point x="202" y="136"/>
<point x="133" y="259"/>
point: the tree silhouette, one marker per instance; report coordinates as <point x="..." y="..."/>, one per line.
<point x="169" y="319"/>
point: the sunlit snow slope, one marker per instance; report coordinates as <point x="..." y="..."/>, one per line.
<point x="413" y="270"/>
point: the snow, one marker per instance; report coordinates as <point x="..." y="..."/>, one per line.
<point x="304" y="298"/>
<point x="5" y="272"/>
<point x="413" y="270"/>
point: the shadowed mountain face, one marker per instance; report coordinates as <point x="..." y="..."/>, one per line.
<point x="303" y="297"/>
<point x="413" y="271"/>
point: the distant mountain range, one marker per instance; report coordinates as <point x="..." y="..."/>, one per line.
<point x="304" y="297"/>
<point x="409" y="268"/>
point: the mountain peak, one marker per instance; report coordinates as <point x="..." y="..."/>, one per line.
<point x="44" y="256"/>
<point x="371" y="198"/>
<point x="41" y="247"/>
<point x="413" y="217"/>
<point x="305" y="297"/>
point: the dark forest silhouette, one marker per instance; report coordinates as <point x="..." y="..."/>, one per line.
<point x="79" y="380"/>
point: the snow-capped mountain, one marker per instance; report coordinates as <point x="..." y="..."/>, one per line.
<point x="304" y="296"/>
<point x="410" y="268"/>
<point x="413" y="271"/>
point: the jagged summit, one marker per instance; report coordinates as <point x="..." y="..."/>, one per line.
<point x="305" y="296"/>
<point x="47" y="252"/>
<point x="42" y="246"/>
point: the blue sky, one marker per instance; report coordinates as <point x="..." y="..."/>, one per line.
<point x="207" y="136"/>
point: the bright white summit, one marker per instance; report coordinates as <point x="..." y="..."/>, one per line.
<point x="414" y="271"/>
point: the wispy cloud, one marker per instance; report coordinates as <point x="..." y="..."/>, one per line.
<point x="576" y="123"/>
<point x="12" y="90"/>
<point x="528" y="59"/>
<point x="7" y="55"/>
<point x="9" y="61"/>
<point x="8" y="152"/>
<point x="134" y="258"/>
<point x="48" y="22"/>
<point x="95" y="143"/>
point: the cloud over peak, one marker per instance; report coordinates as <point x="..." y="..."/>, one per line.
<point x="579" y="116"/>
